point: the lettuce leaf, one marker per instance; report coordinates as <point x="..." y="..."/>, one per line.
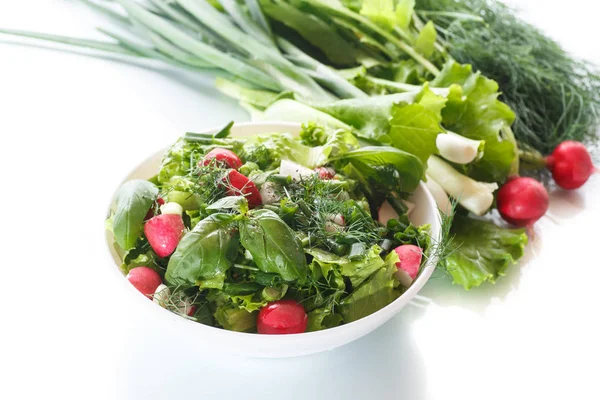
<point x="483" y="251"/>
<point x="380" y="12"/>
<point x="376" y="293"/>
<point x="414" y="127"/>
<point x="473" y="110"/>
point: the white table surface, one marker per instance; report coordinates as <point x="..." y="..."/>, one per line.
<point x="72" y="126"/>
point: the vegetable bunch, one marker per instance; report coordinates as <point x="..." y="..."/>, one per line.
<point x="389" y="72"/>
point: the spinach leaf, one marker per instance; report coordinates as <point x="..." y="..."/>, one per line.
<point x="273" y="245"/>
<point x="205" y="253"/>
<point x="389" y="168"/>
<point x="371" y="296"/>
<point x="133" y="200"/>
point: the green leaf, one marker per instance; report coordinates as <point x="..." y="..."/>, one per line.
<point x="204" y="253"/>
<point x="373" y="295"/>
<point x="369" y="116"/>
<point x="322" y="318"/>
<point x="273" y="245"/>
<point x="133" y="200"/>
<point x="229" y="202"/>
<point x="313" y="29"/>
<point x="358" y="271"/>
<point x="414" y="127"/>
<point x="473" y="110"/>
<point x="387" y="167"/>
<point x="404" y="12"/>
<point x="380" y="12"/>
<point x="425" y="43"/>
<point x="483" y="251"/>
<point x="237" y="319"/>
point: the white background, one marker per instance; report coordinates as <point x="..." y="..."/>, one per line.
<point x="71" y="127"/>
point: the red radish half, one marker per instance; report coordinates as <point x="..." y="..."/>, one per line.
<point x="240" y="185"/>
<point x="282" y="317"/>
<point x="144" y="279"/>
<point x="223" y="156"/>
<point x="571" y="165"/>
<point x="521" y="201"/>
<point x="164" y="233"/>
<point x="410" y="261"/>
<point x="325" y="173"/>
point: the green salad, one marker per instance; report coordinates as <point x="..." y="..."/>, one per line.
<point x="274" y="233"/>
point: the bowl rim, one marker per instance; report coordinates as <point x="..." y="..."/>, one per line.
<point x="424" y="274"/>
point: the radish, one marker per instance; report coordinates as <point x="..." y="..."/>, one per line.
<point x="385" y="213"/>
<point x="410" y="261"/>
<point x="522" y="201"/>
<point x="144" y="279"/>
<point x="570" y="164"/>
<point x="223" y="157"/>
<point x="150" y="212"/>
<point x="171" y="208"/>
<point x="240" y="185"/>
<point x="161" y="295"/>
<point x="296" y="171"/>
<point x="164" y="233"/>
<point x="325" y="173"/>
<point x="282" y="317"/>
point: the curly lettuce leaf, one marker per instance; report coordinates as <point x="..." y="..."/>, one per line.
<point x="483" y="251"/>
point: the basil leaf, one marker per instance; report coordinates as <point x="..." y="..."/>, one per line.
<point x="133" y="200"/>
<point x="273" y="245"/>
<point x="389" y="168"/>
<point x="204" y="253"/>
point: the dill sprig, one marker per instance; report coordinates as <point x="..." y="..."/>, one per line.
<point x="319" y="202"/>
<point x="555" y="96"/>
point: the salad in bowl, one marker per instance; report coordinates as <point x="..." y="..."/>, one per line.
<point x="298" y="230"/>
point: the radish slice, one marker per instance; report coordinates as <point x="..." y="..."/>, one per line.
<point x="325" y="173"/>
<point x="296" y="171"/>
<point x="410" y="261"/>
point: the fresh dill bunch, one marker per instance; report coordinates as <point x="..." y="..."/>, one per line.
<point x="556" y="97"/>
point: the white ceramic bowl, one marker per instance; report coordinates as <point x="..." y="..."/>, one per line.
<point x="276" y="346"/>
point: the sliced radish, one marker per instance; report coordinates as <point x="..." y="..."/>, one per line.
<point x="185" y="307"/>
<point x="410" y="261"/>
<point x="171" y="208"/>
<point x="439" y="195"/>
<point x="224" y="157"/>
<point x="161" y="295"/>
<point x="144" y="279"/>
<point x="240" y="185"/>
<point x="282" y="317"/>
<point x="296" y="171"/>
<point x="325" y="173"/>
<point x="268" y="193"/>
<point x="164" y="233"/>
